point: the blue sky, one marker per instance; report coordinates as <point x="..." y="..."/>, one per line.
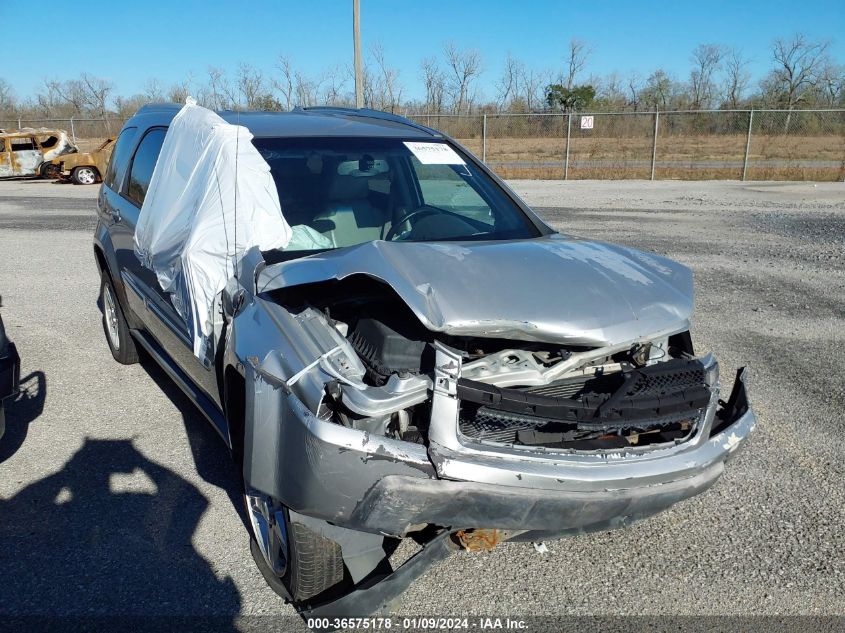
<point x="128" y="41"/>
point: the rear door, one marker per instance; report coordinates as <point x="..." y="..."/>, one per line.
<point x="5" y="159"/>
<point x="26" y="157"/>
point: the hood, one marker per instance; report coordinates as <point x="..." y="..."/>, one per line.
<point x="553" y="289"/>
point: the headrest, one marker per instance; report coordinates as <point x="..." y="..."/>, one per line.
<point x="348" y="188"/>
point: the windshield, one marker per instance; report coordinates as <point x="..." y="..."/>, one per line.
<point x="338" y="192"/>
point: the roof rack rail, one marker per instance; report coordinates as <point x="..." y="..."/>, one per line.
<point x="370" y="114"/>
<point x="157" y="107"/>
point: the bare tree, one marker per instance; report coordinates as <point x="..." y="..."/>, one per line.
<point x="798" y="63"/>
<point x="387" y="82"/>
<point x="706" y="59"/>
<point x="659" y="90"/>
<point x="736" y="77"/>
<point x="285" y="83"/>
<point x="181" y="90"/>
<point x="633" y="88"/>
<point x="610" y="89"/>
<point x="217" y="92"/>
<point x="532" y="88"/>
<point x="335" y="82"/>
<point x="70" y="92"/>
<point x="576" y="60"/>
<point x="153" y="91"/>
<point x="250" y="86"/>
<point x="507" y="86"/>
<point x="7" y="97"/>
<point x="464" y="67"/>
<point x="125" y="107"/>
<point x="307" y="90"/>
<point x="96" y="93"/>
<point x="831" y="84"/>
<point x="434" y="81"/>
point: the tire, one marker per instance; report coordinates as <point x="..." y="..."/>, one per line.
<point x="314" y="566"/>
<point x="316" y="563"/>
<point x="118" y="338"/>
<point x="85" y="175"/>
<point x="307" y="564"/>
<point x="48" y="171"/>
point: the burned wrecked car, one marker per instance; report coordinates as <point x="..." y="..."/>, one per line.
<point x="82" y="168"/>
<point x="28" y="152"/>
<point x="394" y="346"/>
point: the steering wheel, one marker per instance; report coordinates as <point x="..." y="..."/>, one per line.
<point x="419" y="212"/>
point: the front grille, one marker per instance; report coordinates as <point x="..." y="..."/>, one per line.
<point x="494" y="426"/>
<point x="577" y="387"/>
<point x="490" y="425"/>
<point x="657" y="383"/>
<point x="660" y="403"/>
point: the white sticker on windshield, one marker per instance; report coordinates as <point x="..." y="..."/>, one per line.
<point x="435" y="153"/>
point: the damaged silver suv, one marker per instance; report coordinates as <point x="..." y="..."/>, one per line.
<point x="426" y="360"/>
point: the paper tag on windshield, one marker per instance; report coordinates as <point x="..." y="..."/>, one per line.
<point x="435" y="153"/>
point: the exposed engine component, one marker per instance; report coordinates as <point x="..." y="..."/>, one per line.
<point x="385" y="351"/>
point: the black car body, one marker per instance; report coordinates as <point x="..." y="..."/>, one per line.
<point x="10" y="368"/>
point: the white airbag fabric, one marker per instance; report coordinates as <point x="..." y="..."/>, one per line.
<point x="186" y="229"/>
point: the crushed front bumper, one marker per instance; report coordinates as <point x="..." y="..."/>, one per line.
<point x="380" y="485"/>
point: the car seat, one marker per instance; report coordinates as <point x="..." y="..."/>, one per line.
<point x="349" y="217"/>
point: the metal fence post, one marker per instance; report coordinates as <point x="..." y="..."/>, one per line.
<point x="747" y="144"/>
<point x="654" y="144"/>
<point x="19" y="123"/>
<point x="566" y="160"/>
<point x="72" y="131"/>
<point x="484" y="139"/>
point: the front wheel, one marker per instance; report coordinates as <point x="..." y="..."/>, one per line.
<point x="84" y="176"/>
<point x="296" y="562"/>
<point x="49" y="171"/>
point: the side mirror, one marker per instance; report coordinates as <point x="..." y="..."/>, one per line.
<point x="232" y="298"/>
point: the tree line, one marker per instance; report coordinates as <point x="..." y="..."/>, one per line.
<point x="802" y="74"/>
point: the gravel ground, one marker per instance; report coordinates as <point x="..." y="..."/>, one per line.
<point x="116" y="497"/>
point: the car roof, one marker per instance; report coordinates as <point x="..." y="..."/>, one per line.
<point x="27" y="132"/>
<point x="303" y="122"/>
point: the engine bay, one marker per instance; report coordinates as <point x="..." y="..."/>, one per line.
<point x="511" y="392"/>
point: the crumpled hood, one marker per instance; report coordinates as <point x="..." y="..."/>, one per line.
<point x="552" y="289"/>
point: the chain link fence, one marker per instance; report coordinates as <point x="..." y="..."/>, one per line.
<point x="692" y="145"/>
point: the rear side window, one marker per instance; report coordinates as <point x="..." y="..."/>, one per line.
<point x="119" y="157"/>
<point x="22" y="144"/>
<point x="143" y="164"/>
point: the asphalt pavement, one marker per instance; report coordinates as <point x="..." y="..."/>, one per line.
<point x="116" y="497"/>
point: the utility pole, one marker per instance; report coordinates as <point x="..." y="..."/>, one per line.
<point x="356" y="38"/>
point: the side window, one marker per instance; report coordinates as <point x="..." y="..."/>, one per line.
<point x="49" y="142"/>
<point x="143" y="164"/>
<point x="119" y="157"/>
<point x="21" y="144"/>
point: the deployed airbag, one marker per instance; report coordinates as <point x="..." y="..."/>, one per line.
<point x="208" y="173"/>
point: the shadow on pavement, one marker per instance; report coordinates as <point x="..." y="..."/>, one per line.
<point x="21" y="410"/>
<point x="109" y="535"/>
<point x="211" y="455"/>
